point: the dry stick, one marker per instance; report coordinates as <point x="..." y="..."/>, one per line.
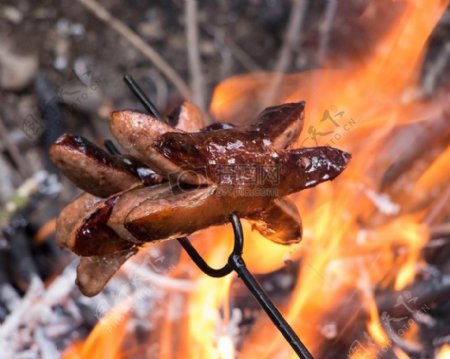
<point x="139" y="44"/>
<point x="194" y="62"/>
<point x="21" y="162"/>
<point x="324" y="37"/>
<point x="225" y="53"/>
<point x="242" y="56"/>
<point x="436" y="289"/>
<point x="325" y="28"/>
<point x="292" y="36"/>
<point x="291" y="39"/>
<point x="441" y="230"/>
<point x="435" y="70"/>
<point x="440" y="205"/>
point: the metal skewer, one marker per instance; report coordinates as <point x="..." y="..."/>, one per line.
<point x="143" y="99"/>
<point x="111" y="147"/>
<point x="235" y="261"/>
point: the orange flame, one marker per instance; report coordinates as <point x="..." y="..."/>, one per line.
<point x="356" y="238"/>
<point x="99" y="343"/>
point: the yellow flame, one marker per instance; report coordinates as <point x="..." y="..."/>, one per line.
<point x="226" y="347"/>
<point x="444" y="352"/>
<point x="99" y="343"/>
<point x="401" y="354"/>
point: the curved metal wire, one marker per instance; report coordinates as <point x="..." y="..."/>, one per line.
<point x="200" y="262"/>
<point x="236" y="263"/>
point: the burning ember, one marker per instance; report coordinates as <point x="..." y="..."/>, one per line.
<point x="359" y="285"/>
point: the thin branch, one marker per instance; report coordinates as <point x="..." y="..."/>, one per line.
<point x="20" y="161"/>
<point x="440" y="205"/>
<point x="325" y="28"/>
<point x="195" y="66"/>
<point x="224" y="41"/>
<point x="435" y="289"/>
<point x="435" y="70"/>
<point x="292" y="38"/>
<point x="441" y="230"/>
<point x="139" y="44"/>
<point x="242" y="56"/>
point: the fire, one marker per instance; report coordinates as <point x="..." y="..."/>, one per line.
<point x="362" y="231"/>
<point x="226" y="347"/>
<point x="99" y="344"/>
<point x="444" y="352"/>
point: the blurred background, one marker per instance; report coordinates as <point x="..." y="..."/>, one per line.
<point x="61" y="70"/>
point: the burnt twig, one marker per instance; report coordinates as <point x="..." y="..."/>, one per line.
<point x="425" y="292"/>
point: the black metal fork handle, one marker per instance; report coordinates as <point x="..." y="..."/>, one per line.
<point x="236" y="263"/>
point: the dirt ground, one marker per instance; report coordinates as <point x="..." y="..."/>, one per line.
<point x="66" y="43"/>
